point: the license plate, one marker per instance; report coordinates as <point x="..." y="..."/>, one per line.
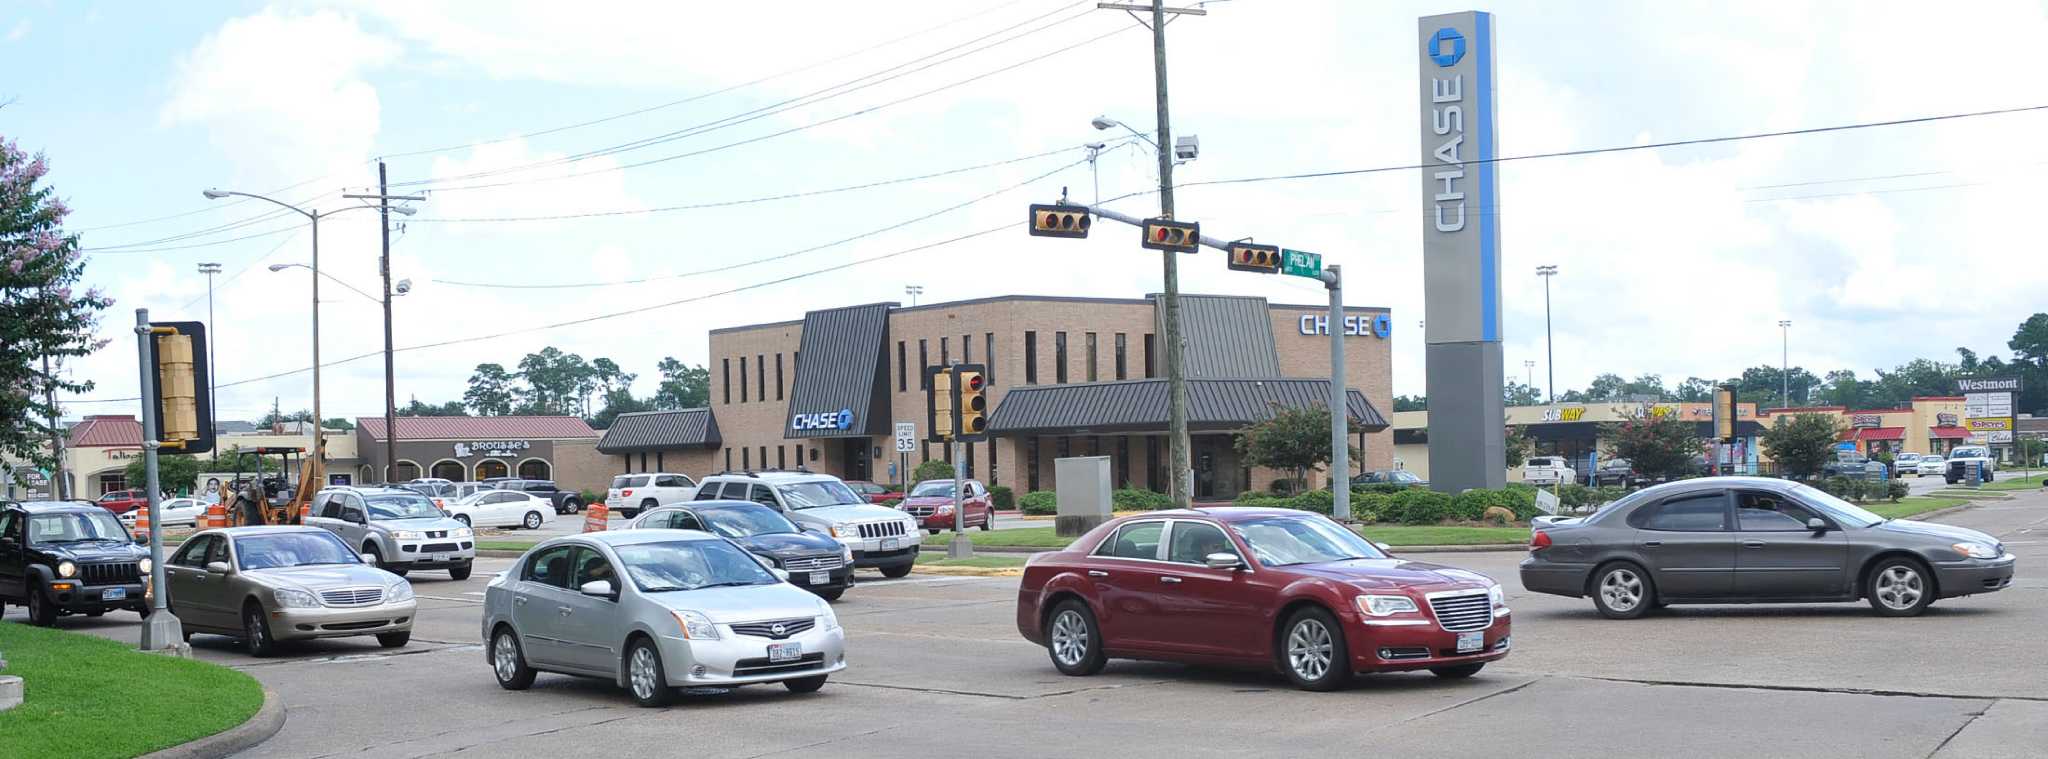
<point x="440" y="557"/>
<point x="1471" y="641"/>
<point x="781" y="652"/>
<point x="821" y="578"/>
<point x="114" y="594"/>
<point x="891" y="544"/>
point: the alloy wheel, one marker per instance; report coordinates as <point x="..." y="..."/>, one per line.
<point x="505" y="658"/>
<point x="1622" y="590"/>
<point x="1309" y="649"/>
<point x="1899" y="587"/>
<point x="1069" y="638"/>
<point x="642" y="672"/>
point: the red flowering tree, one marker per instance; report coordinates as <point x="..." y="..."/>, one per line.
<point x="42" y="317"/>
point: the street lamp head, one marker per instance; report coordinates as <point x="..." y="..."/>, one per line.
<point x="213" y="194"/>
<point x="1102" y="122"/>
<point x="281" y="267"/>
<point x="404" y="211"/>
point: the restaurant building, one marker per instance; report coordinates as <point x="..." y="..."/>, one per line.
<point x="1066" y="377"/>
<point x="474" y="448"/>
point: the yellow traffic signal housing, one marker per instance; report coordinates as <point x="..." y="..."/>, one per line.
<point x="1176" y="236"/>
<point x="971" y="383"/>
<point x="1264" y="259"/>
<point x="939" y="411"/>
<point x="184" y="412"/>
<point x="1059" y="221"/>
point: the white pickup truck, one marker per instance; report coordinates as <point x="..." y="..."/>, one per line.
<point x="1963" y="458"/>
<point x="1548" y="470"/>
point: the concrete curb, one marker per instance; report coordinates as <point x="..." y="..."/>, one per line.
<point x="234" y="740"/>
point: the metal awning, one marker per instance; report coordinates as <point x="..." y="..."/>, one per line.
<point x="1214" y="405"/>
<point x="660" y="430"/>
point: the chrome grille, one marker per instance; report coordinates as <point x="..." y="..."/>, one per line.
<point x="1463" y="613"/>
<point x="889" y="529"/>
<point x="920" y="511"/>
<point x="352" y="596"/>
<point x="113" y="573"/>
<point x="814" y="563"/>
<point x="769" y="629"/>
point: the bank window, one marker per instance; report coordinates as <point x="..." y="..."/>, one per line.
<point x="764" y="457"/>
<point x="1030" y="358"/>
<point x="924" y="365"/>
<point x="743" y="379"/>
<point x="1121" y="465"/>
<point x="1149" y="342"/>
<point x="1152" y="472"/>
<point x="728" y="459"/>
<point x="778" y="376"/>
<point x="902" y="370"/>
<point x="988" y="359"/>
<point x="747" y="458"/>
<point x="761" y="378"/>
<point x="1059" y="358"/>
<point x="1030" y="463"/>
<point x="781" y="457"/>
<point x="725" y="383"/>
<point x="945" y="351"/>
<point x="1121" y="349"/>
<point x="1091" y="357"/>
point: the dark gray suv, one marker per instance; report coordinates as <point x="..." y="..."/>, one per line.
<point x="1757" y="540"/>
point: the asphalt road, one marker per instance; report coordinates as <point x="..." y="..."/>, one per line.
<point x="940" y="671"/>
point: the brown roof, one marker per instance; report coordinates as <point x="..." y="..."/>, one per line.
<point x="106" y="431"/>
<point x="480" y="427"/>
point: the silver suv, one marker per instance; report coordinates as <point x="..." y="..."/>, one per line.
<point x="400" y="530"/>
<point x="881" y="537"/>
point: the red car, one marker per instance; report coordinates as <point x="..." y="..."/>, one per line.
<point x="123" y="501"/>
<point x="1264" y="588"/>
<point x="873" y="492"/>
<point x="931" y="502"/>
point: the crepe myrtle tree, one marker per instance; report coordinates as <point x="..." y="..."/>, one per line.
<point x="1296" y="439"/>
<point x="1802" y="443"/>
<point x="43" y="319"/>
<point x="1662" y="447"/>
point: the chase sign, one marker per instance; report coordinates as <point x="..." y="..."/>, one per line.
<point x="829" y="420"/>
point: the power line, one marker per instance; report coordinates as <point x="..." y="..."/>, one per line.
<point x="776" y="257"/>
<point x="244" y="270"/>
<point x="193" y="245"/>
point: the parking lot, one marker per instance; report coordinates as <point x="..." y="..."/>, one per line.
<point x="938" y="669"/>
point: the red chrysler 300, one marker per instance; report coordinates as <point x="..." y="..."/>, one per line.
<point x="1274" y="588"/>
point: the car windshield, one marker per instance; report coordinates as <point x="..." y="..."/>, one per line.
<point x="1281" y="541"/>
<point x="740" y="522"/>
<point x="296" y="549"/>
<point x="75" y="527"/>
<point x="933" y="489"/>
<point x="1406" y="477"/>
<point x="405" y="506"/>
<point x="811" y="495"/>
<point x="1842" y="511"/>
<point x="690" y="565"/>
<point x="1970" y="453"/>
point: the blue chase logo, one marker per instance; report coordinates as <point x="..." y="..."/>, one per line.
<point x="845" y="419"/>
<point x="1447" y="47"/>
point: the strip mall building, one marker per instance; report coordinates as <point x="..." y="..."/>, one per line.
<point x="1067" y="377"/>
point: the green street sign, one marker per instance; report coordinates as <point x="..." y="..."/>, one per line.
<point x="1301" y="263"/>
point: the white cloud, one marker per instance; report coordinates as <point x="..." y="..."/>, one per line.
<point x="19" y="31"/>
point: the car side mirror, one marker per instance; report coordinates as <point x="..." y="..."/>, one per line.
<point x="219" y="567"/>
<point x="1816" y="525"/>
<point x="598" y="588"/>
<point x="9" y="544"/>
<point x="1384" y="548"/>
<point x="1223" y="560"/>
<point x="367" y="558"/>
<point x="780" y="574"/>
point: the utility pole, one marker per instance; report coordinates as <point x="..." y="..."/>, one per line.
<point x="1785" y="363"/>
<point x="212" y="398"/>
<point x="384" y="198"/>
<point x="1549" y="353"/>
<point x="59" y="488"/>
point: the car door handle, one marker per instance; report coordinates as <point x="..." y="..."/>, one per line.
<point x="565" y="611"/>
<point x="1652" y="543"/>
<point x="518" y="601"/>
<point x="1752" y="544"/>
<point x="1097" y="573"/>
<point x="1173" y="580"/>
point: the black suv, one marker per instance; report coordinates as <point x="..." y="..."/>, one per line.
<point x="68" y="557"/>
<point x="565" y="501"/>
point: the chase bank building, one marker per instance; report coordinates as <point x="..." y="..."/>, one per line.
<point x="1066" y="376"/>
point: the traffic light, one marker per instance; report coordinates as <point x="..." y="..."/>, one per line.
<point x="1176" y="236"/>
<point x="184" y="413"/>
<point x="1264" y="259"/>
<point x="1059" y="221"/>
<point x="939" y="412"/>
<point x="972" y="385"/>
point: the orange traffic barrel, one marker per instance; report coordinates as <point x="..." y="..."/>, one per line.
<point x="594" y="519"/>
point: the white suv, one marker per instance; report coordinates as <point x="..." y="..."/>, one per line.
<point x="881" y="537"/>
<point x="631" y="494"/>
<point x="1548" y="470"/>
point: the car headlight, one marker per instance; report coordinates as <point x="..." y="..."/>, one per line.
<point x="826" y="619"/>
<point x="1382" y="606"/>
<point x="843" y="530"/>
<point x="398" y="591"/>
<point x="846" y="552"/>
<point x="695" y="625"/>
<point x="293" y="598"/>
<point x="143" y="565"/>
<point x="1976" y="550"/>
<point x="943" y="510"/>
<point x="67" y="569"/>
<point x="463" y="532"/>
<point x="407" y="535"/>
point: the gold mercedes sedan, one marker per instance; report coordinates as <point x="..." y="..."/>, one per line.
<point x="265" y="585"/>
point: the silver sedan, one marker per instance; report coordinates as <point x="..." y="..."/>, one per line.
<point x="653" y="610"/>
<point x="271" y="584"/>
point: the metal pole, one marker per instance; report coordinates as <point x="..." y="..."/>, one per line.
<point x="1549" y="349"/>
<point x="1784" y="363"/>
<point x="59" y="487"/>
<point x="161" y="629"/>
<point x="1340" y="454"/>
<point x="319" y="439"/>
<point x="390" y="385"/>
<point x="961" y="547"/>
<point x="1182" y="475"/>
<point x="212" y="396"/>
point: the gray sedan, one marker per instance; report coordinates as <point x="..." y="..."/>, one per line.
<point x="653" y="610"/>
<point x="269" y="584"/>
<point x="1757" y="540"/>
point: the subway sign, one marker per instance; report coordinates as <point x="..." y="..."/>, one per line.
<point x="827" y="420"/>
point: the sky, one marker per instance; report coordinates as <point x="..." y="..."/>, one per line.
<point x="646" y="122"/>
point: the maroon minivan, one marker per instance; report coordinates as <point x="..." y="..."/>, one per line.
<point x="1277" y="588"/>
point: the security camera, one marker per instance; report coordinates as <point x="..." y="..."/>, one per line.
<point x="1186" y="148"/>
<point x="404" y="286"/>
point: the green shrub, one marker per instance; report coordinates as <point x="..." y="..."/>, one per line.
<point x="1368" y="506"/>
<point x="1471" y="504"/>
<point x="1607" y="494"/>
<point x="1895" y="490"/>
<point x="1574" y="496"/>
<point x="1040" y="503"/>
<point x="1003" y="497"/>
<point x="1417" y="506"/>
<point x="1282" y="487"/>
<point x="1388" y="488"/>
<point x="891" y="503"/>
<point x="591" y="496"/>
<point x="931" y="469"/>
<point x="1139" y="499"/>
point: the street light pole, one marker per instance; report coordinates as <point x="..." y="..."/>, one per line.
<point x="1530" y="366"/>
<point x="1785" y="363"/>
<point x="913" y="291"/>
<point x="1549" y="349"/>
<point x="1182" y="486"/>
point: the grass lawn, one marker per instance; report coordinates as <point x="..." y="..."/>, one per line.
<point x="505" y="545"/>
<point x="2015" y="483"/>
<point x="92" y="697"/>
<point x="1008" y="561"/>
<point x="1023" y="537"/>
<point x="1912" y="505"/>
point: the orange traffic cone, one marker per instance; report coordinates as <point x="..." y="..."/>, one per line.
<point x="142" y="522"/>
<point x="216" y="515"/>
<point x="594" y="520"/>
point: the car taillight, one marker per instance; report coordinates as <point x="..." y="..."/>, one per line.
<point x="1539" y="540"/>
<point x="626" y="493"/>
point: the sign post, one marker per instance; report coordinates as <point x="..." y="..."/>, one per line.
<point x="906" y="443"/>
